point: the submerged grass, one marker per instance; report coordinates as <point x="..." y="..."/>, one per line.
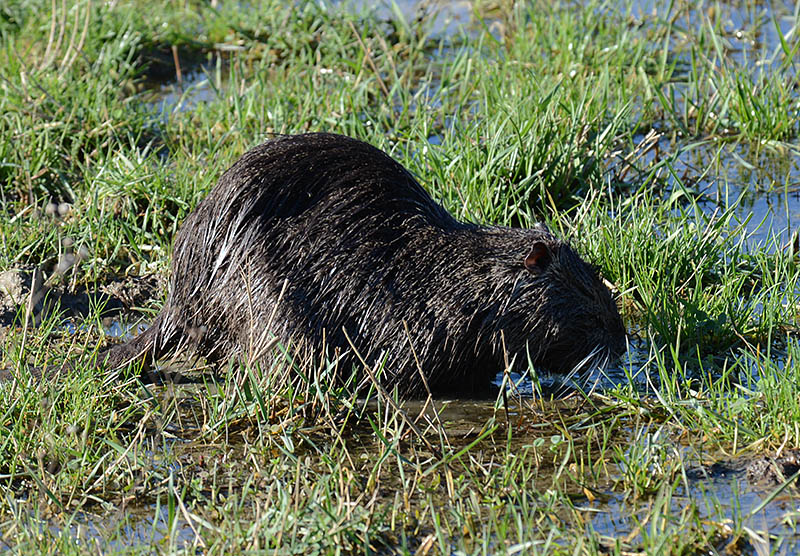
<point x="536" y="111"/>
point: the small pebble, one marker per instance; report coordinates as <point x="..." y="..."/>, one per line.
<point x="66" y="262"/>
<point x="51" y="209"/>
<point x="64" y="209"/>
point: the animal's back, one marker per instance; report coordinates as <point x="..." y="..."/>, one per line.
<point x="344" y="226"/>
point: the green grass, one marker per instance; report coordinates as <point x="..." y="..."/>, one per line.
<point x="534" y="111"/>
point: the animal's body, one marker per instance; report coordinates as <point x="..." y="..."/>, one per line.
<point x="328" y="242"/>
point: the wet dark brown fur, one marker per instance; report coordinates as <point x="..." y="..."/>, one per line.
<point x="362" y="248"/>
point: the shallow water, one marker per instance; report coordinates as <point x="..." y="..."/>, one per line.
<point x="715" y="487"/>
<point x="194" y="88"/>
<point x="445" y="18"/>
<point x="765" y="175"/>
<point x="763" y="184"/>
<point x="132" y="526"/>
<point x="122" y="330"/>
<point x="722" y="494"/>
<point x="750" y="29"/>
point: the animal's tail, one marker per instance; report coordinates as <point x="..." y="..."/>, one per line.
<point x="145" y="348"/>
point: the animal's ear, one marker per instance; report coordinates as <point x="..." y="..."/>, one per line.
<point x="539" y="258"/>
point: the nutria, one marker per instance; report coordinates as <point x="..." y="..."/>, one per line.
<point x="327" y="241"/>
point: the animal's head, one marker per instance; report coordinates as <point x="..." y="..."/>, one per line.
<point x="567" y="317"/>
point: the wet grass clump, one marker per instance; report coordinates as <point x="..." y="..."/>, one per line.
<point x="659" y="141"/>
